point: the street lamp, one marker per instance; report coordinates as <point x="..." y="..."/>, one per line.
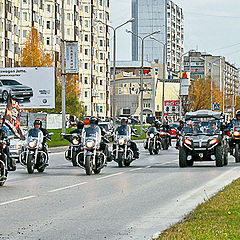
<point x="164" y="69"/>
<point x="114" y="60"/>
<point x="141" y="81"/>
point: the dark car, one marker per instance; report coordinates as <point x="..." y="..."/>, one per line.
<point x="203" y="139"/>
<point x="18" y="91"/>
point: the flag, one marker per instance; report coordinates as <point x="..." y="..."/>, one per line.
<point x="12" y="117"/>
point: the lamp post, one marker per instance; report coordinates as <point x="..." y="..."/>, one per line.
<point x="164" y="69"/>
<point x="141" y="80"/>
<point x="114" y="61"/>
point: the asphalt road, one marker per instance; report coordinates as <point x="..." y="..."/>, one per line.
<point x="120" y="203"/>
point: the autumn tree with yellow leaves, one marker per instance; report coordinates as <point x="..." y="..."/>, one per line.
<point x="32" y="53"/>
<point x="200" y="94"/>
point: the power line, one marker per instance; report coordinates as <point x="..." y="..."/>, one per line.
<point x="211" y="15"/>
<point x="229" y="46"/>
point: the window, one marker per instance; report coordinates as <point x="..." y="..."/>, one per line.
<point x="101" y="56"/>
<point x="25" y="16"/>
<point x="100" y="2"/>
<point x="101" y="95"/>
<point x="86" y="9"/>
<point x="48" y="24"/>
<point x="48" y="41"/>
<point x="101" y="82"/>
<point x="101" y="69"/>
<point x="126" y="111"/>
<point x="24" y="1"/>
<point x="68" y="2"/>
<point x="101" y="43"/>
<point x="85" y="108"/>
<point x="86" y="80"/>
<point x="86" y="66"/>
<point x="24" y="33"/>
<point x="86" y="52"/>
<point x="86" y="38"/>
<point x="85" y="94"/>
<point x="101" y="109"/>
<point x="68" y="16"/>
<point x="86" y="23"/>
<point x="68" y="31"/>
<point x="100" y="15"/>
<point x="49" y="8"/>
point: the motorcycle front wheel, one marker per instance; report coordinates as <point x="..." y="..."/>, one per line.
<point x="30" y="164"/>
<point x="120" y="159"/>
<point x="88" y="165"/>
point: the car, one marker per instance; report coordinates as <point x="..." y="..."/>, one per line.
<point x="203" y="139"/>
<point x="18" y="91"/>
<point x="173" y="129"/>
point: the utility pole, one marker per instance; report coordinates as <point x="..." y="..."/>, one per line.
<point x="63" y="73"/>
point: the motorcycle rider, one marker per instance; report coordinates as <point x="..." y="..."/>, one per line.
<point x="235" y="122"/>
<point x="11" y="164"/>
<point x="166" y="128"/>
<point x="103" y="145"/>
<point x="80" y="126"/>
<point x="38" y="124"/>
<point x="133" y="146"/>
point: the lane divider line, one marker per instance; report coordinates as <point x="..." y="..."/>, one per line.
<point x="17" y="200"/>
<point x="136" y="169"/>
<point x="67" y="187"/>
<point x="148" y="166"/>
<point x="112" y="175"/>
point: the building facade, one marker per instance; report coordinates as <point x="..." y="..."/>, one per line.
<point x="150" y="16"/>
<point x="18" y="16"/>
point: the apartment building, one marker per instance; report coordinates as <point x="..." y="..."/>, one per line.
<point x="150" y="16"/>
<point x="18" y="16"/>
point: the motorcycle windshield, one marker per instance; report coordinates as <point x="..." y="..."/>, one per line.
<point x="92" y="133"/>
<point x="152" y="130"/>
<point x="33" y="135"/>
<point x="124" y="132"/>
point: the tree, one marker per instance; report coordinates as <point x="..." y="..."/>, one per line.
<point x="200" y="94"/>
<point x="32" y="54"/>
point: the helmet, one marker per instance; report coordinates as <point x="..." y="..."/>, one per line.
<point x="37" y="122"/>
<point x="1" y="117"/>
<point x="238" y="114"/>
<point x="80" y="125"/>
<point x="93" y="120"/>
<point x="124" y="120"/>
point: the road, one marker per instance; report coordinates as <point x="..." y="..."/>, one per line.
<point x="119" y="204"/>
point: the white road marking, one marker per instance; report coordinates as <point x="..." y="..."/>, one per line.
<point x="112" y="175"/>
<point x="67" y="187"/>
<point x="16" y="200"/>
<point x="135" y="169"/>
<point x="148" y="166"/>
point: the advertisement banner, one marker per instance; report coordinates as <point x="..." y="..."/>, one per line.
<point x="71" y="57"/>
<point x="32" y="87"/>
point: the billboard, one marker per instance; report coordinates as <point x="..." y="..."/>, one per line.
<point x="32" y="87"/>
<point x="71" y="57"/>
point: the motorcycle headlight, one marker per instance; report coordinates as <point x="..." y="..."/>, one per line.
<point x="75" y="141"/>
<point x="151" y="135"/>
<point x="121" y="141"/>
<point x="162" y="133"/>
<point x="236" y="134"/>
<point x="188" y="142"/>
<point x="32" y="144"/>
<point x="213" y="141"/>
<point x="90" y="144"/>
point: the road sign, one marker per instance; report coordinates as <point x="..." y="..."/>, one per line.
<point x="71" y="57"/>
<point x="216" y="107"/>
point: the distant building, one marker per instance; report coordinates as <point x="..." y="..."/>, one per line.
<point x="149" y="17"/>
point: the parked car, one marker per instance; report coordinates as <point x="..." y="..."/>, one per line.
<point x="173" y="129"/>
<point x="18" y="91"/>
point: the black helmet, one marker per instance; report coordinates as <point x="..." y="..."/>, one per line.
<point x="238" y="114"/>
<point x="93" y="120"/>
<point x="37" y="122"/>
<point x="80" y="125"/>
<point x="124" y="120"/>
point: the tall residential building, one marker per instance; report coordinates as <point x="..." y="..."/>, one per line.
<point x="150" y="16"/>
<point x="18" y="16"/>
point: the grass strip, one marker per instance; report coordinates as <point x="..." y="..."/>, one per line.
<point x="218" y="218"/>
<point x="57" y="139"/>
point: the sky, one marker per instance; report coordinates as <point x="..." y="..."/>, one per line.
<point x="211" y="26"/>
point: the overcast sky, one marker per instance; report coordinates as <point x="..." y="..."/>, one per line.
<point x="211" y="26"/>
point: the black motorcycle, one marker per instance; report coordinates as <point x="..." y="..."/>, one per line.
<point x="165" y="138"/>
<point x="74" y="148"/>
<point x="92" y="158"/>
<point x="122" y="153"/>
<point x="33" y="157"/>
<point x="235" y="143"/>
<point x="153" y="142"/>
<point x="3" y="163"/>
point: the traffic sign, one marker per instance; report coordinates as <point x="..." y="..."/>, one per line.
<point x="216" y="107"/>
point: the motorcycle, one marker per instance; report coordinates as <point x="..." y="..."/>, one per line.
<point x="33" y="157"/>
<point x="74" y="148"/>
<point x="165" y="139"/>
<point x="153" y="141"/>
<point x="235" y="140"/>
<point x="122" y="154"/>
<point x="3" y="163"/>
<point x="92" y="158"/>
